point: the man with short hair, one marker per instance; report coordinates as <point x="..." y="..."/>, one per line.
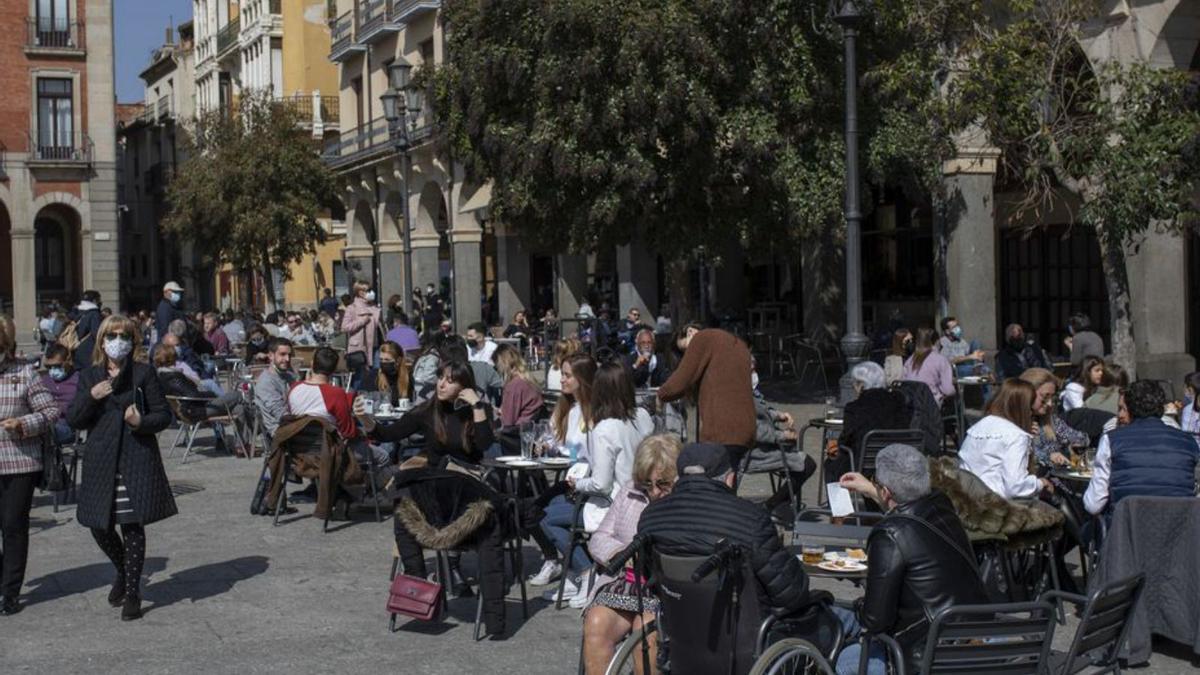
<point x="649" y="369"/>
<point x="402" y="334"/>
<point x="480" y="347"/>
<point x="271" y="387"/>
<point x="1019" y="354"/>
<point x="295" y="330"/>
<point x="919" y="559"/>
<point x="170" y="308"/>
<point x="183" y="357"/>
<point x="62" y="381"/>
<point x="215" y="334"/>
<point x="329" y="304"/>
<point x="957" y="350"/>
<point x="1082" y="340"/>
<point x="1143" y="458"/>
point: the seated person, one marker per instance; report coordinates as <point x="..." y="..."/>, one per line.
<point x="1019" y="354"/>
<point x="215" y="334"/>
<point x="297" y="331"/>
<point x="702" y="509"/>
<point x="480" y="346"/>
<point x="256" y="346"/>
<point x="201" y="381"/>
<point x="1054" y="440"/>
<point x="394" y="379"/>
<point x="176" y="383"/>
<point x="775" y="430"/>
<point x="455" y="421"/>
<point x="62" y="381"/>
<point x="402" y="334"/>
<point x="913" y="571"/>
<point x="649" y="369"/>
<point x="521" y="401"/>
<point x="1189" y="410"/>
<point x="611" y="612"/>
<point x="271" y="387"/>
<point x="486" y="380"/>
<point x="520" y="329"/>
<point x="317" y="397"/>
<point x="1144" y="457"/>
<point x="929" y="367"/>
<point x="997" y="447"/>
<point x="875" y="408"/>
<point x="962" y="354"/>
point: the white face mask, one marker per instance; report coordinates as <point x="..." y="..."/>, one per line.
<point x="117" y="348"/>
<point x="753" y="380"/>
<point x="370" y="296"/>
<point x="175" y="298"/>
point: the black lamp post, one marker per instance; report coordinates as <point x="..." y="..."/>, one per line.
<point x="855" y="345"/>
<point x="396" y="101"/>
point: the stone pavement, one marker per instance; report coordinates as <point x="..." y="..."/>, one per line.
<point x="225" y="592"/>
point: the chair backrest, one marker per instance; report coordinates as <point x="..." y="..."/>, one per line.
<point x="1012" y="638"/>
<point x="710" y="624"/>
<point x="183" y="409"/>
<point x="307" y="440"/>
<point x="877" y="440"/>
<point x="1105" y="623"/>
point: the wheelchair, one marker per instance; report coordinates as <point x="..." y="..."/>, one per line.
<point x="706" y="606"/>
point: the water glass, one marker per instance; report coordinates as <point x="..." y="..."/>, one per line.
<point x="528" y="437"/>
<point x="831" y="409"/>
<point x="812" y="554"/>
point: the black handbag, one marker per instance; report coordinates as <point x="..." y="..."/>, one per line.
<point x="54" y="469"/>
<point x="356" y="361"/>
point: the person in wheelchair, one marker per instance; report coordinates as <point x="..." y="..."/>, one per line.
<point x="703" y="510"/>
<point x="919" y="560"/>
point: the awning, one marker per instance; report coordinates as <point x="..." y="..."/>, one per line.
<point x="480" y="200"/>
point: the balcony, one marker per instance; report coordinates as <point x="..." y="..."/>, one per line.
<point x="54" y="37"/>
<point x="72" y="151"/>
<point x="227" y="37"/>
<point x="164" y="109"/>
<point x="341" y="38"/>
<point x="373" y="20"/>
<point x="358" y="145"/>
<point x="316" y="112"/>
<point x="403" y="11"/>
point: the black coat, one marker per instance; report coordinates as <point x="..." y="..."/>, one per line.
<point x="112" y="446"/>
<point x="86" y="328"/>
<point x="873" y="410"/>
<point x="175" y="383"/>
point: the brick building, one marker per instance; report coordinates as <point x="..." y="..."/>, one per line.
<point x="58" y="210"/>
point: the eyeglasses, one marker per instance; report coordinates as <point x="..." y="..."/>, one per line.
<point x="662" y="484"/>
<point x="117" y="335"/>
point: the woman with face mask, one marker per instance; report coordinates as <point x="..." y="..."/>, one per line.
<point x="256" y="346"/>
<point x="121" y="406"/>
<point x="62" y="381"/>
<point x="361" y="326"/>
<point x="394" y="374"/>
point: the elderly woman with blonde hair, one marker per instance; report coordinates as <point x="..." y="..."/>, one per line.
<point x="612" y="612"/>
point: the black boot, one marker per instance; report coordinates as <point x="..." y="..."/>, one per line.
<point x="10" y="606"/>
<point x="131" y="610"/>
<point x="116" y="597"/>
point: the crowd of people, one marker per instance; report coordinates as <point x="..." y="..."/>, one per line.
<point x="468" y="399"/>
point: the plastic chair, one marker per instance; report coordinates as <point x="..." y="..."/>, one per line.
<point x="1103" y="627"/>
<point x="1013" y="638"/>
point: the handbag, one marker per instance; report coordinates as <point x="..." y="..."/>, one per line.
<point x="416" y="598"/>
<point x="355" y="361"/>
<point x="54" y="469"/>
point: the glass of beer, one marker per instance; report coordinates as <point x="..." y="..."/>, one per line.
<point x="811" y="554"/>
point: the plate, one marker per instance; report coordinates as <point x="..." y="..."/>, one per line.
<point x="523" y="463"/>
<point x="556" y="461"/>
<point x="509" y="459"/>
<point x="842" y="566"/>
<point x="1078" y="474"/>
<point x="834" y="420"/>
<point x="388" y="416"/>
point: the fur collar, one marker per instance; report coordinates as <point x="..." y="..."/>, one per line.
<point x="984" y="512"/>
<point x="443" y="538"/>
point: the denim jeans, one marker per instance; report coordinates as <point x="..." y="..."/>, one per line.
<point x="847" y="660"/>
<point x="211" y="385"/>
<point x="557" y="523"/>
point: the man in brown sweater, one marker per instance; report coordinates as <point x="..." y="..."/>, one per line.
<point x="717" y="364"/>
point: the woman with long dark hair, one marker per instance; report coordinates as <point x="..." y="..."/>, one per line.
<point x="1087" y="379"/>
<point x="395" y="377"/>
<point x="121" y="406"/>
<point x="997" y="447"/>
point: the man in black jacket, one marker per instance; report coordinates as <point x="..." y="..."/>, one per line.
<point x="918" y="558"/>
<point x="1019" y="354"/>
<point x="703" y="509"/>
<point x="648" y="368"/>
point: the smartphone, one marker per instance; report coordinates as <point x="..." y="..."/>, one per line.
<point x="368" y="406"/>
<point x="139" y="400"/>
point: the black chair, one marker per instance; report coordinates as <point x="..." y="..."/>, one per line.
<point x="863" y="459"/>
<point x="1102" y="629"/>
<point x="1012" y="638"/>
<point x="1088" y="420"/>
<point x="579" y="537"/>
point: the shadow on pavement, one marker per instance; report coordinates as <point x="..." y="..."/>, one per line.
<point x="82" y="579"/>
<point x="205" y="581"/>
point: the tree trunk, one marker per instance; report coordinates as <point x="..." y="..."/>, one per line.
<point x="269" y="287"/>
<point x="1116" y="279"/>
<point x="679" y="286"/>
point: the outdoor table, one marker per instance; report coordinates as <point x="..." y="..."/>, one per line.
<point x="829" y="534"/>
<point x="512" y="476"/>
<point x="1073" y="476"/>
<point x="820" y="572"/>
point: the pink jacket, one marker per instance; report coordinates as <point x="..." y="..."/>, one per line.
<point x="361" y="324"/>
<point x="616" y="531"/>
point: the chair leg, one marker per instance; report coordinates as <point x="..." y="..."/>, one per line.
<point x="279" y="501"/>
<point x="191" y="438"/>
<point x="478" y="616"/>
<point x="175" y="445"/>
<point x="562" y="581"/>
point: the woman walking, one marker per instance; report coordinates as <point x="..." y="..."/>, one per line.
<point x="27" y="412"/>
<point x="122" y="407"/>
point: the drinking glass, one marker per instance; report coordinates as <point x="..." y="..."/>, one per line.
<point x="1089" y="460"/>
<point x="831" y="409"/>
<point x="812" y="554"/>
<point x="528" y="437"/>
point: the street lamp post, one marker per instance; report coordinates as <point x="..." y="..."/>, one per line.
<point x="396" y="110"/>
<point x="855" y="344"/>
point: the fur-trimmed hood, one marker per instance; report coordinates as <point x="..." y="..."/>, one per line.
<point x="984" y="512"/>
<point x="450" y="536"/>
<point x="443" y="509"/>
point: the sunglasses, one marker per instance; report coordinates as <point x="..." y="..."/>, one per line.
<point x="662" y="484"/>
<point x="115" y="335"/>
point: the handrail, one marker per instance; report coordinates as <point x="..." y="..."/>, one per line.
<point x="56" y="33"/>
<point x="77" y="149"/>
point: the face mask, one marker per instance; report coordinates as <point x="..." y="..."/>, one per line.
<point x="910" y="348"/>
<point x="257" y="342"/>
<point x="58" y="373"/>
<point x="370" y="296"/>
<point x="1017" y="343"/>
<point x="956" y="331"/>
<point x="117" y="348"/>
<point x="753" y="380"/>
<point x="388" y="369"/>
<point x="175" y="298"/>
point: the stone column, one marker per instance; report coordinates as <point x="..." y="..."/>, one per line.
<point x="468" y="277"/>
<point x="391" y="272"/>
<point x="1157" y="289"/>
<point x="637" y="281"/>
<point x="425" y="260"/>
<point x="571" y="284"/>
<point x="359" y="263"/>
<point x="24" y="280"/>
<point x="512" y="275"/>
<point x="971" y="285"/>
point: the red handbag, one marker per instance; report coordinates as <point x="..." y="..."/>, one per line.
<point x="416" y="598"/>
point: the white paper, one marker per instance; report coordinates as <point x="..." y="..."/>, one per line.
<point x="840" y="503"/>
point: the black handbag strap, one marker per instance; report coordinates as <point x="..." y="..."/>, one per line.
<point x="953" y="544"/>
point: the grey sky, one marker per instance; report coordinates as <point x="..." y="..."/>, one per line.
<point x="140" y="29"/>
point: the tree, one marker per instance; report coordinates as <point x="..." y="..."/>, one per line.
<point x="251" y="190"/>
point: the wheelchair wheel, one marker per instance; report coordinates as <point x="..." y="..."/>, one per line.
<point x="630" y="652"/>
<point x="791" y="656"/>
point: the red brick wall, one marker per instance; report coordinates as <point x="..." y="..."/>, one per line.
<point x="42" y="187"/>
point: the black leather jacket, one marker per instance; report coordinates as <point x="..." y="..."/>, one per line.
<point x="913" y="572"/>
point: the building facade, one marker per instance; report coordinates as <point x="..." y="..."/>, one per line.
<point x="58" y="189"/>
<point x="280" y="47"/>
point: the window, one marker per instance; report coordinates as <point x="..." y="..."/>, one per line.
<point x="55" y="118"/>
<point x="53" y="23"/>
<point x="49" y="248"/>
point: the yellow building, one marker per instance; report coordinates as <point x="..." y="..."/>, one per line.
<point x="283" y="47"/>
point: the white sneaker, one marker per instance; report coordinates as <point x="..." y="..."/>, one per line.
<point x="570" y="588"/>
<point x="580" y="599"/>
<point x="551" y="570"/>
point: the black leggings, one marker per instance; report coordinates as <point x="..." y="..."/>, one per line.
<point x="16" y="497"/>
<point x="127" y="551"/>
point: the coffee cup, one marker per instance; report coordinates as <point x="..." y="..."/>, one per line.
<point x="404" y="404"/>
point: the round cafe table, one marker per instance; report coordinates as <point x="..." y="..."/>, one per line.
<point x="512" y="476"/>
<point x="1072" y="476"/>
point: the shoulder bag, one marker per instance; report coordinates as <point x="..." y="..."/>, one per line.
<point x="416" y="598"/>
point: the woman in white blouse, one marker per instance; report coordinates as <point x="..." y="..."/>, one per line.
<point x="997" y="448"/>
<point x="1087" y="379"/>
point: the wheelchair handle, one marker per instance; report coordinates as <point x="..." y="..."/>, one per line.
<point x="724" y="553"/>
<point x="614" y="566"/>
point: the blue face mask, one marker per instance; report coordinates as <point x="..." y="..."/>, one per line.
<point x="58" y="373"/>
<point x="956" y="331"/>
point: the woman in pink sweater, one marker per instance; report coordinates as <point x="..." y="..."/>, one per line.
<point x="521" y="400"/>
<point x="611" y="613"/>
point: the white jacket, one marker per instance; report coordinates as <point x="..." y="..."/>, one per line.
<point x="997" y="451"/>
<point x="613" y="446"/>
<point x="1072" y="396"/>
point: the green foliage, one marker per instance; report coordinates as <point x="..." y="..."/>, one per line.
<point x="251" y="190"/>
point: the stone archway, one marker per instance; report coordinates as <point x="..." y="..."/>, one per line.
<point x="58" y="254"/>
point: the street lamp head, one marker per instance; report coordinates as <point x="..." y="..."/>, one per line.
<point x="391" y="105"/>
<point x="847" y="13"/>
<point x="399" y="72"/>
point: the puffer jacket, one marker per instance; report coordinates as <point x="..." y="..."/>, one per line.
<point x="700" y="512"/>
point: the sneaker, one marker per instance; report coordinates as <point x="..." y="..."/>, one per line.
<point x="580" y="599"/>
<point x="551" y="570"/>
<point x="570" y="588"/>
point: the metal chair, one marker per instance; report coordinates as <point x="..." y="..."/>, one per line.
<point x="1013" y="638"/>
<point x="863" y="459"/>
<point x="1103" y="627"/>
<point x="190" y="423"/>
<point x="579" y="537"/>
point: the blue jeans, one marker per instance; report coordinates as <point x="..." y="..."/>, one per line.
<point x="557" y="526"/>
<point x="211" y="385"/>
<point x="847" y="660"/>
